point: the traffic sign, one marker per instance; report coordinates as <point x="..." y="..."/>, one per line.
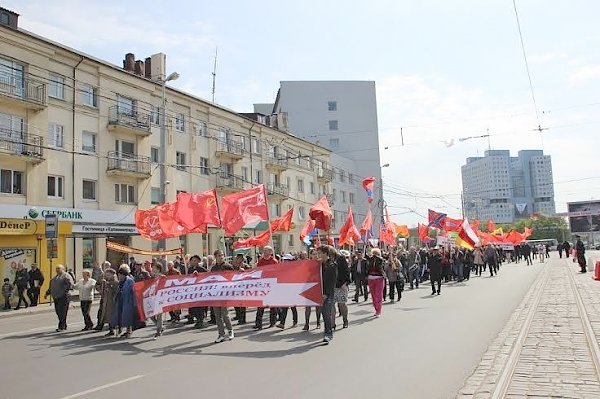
<point x="52" y="248"/>
<point x="51" y="226"/>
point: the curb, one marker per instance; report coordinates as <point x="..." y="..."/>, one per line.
<point x="39" y="309"/>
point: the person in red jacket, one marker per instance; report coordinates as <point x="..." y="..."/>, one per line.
<point x="267" y="258"/>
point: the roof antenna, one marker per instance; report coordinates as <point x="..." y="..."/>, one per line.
<point x="214" y="75"/>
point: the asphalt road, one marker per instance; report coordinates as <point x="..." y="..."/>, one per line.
<point x="423" y="347"/>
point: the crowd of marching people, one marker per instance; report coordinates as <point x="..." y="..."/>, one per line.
<point x="376" y="274"/>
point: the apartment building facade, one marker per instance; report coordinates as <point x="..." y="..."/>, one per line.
<point x="80" y="138"/>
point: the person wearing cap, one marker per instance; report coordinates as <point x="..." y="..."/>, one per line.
<point x="434" y="265"/>
<point x="376" y="280"/>
<point x="266" y="258"/>
<point x="140" y="272"/>
<point x="85" y="286"/>
<point x="123" y="315"/>
<point x="36" y="279"/>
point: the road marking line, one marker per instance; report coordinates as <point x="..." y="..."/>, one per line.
<point x="47" y="328"/>
<point x="101" y="387"/>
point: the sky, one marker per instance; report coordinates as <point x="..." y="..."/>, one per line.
<point x="444" y="71"/>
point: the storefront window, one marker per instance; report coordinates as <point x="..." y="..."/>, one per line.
<point x="88" y="252"/>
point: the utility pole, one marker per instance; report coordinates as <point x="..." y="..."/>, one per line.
<point x="214" y="76"/>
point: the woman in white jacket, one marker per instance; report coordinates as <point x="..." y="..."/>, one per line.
<point x="85" y="286"/>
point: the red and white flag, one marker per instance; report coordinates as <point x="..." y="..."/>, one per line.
<point x="466" y="235"/>
<point x="297" y="283"/>
<point x="245" y="207"/>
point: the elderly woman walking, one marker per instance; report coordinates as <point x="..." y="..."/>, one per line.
<point x="85" y="286"/>
<point x="108" y="292"/>
<point x="124" y="308"/>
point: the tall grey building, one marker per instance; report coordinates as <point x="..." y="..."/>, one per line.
<point x="342" y="116"/>
<point x="504" y="188"/>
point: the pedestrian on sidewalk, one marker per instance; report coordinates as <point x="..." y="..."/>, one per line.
<point x="21" y="282"/>
<point x="567" y="248"/>
<point x="36" y="279"/>
<point x="7" y="291"/>
<point x="329" y="271"/>
<point x="491" y="257"/>
<point x="60" y="286"/>
<point x="478" y="258"/>
<point x="85" y="286"/>
<point x="376" y="280"/>
<point x="526" y="250"/>
<point x="580" y="248"/>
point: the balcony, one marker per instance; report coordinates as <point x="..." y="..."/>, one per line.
<point x="16" y="90"/>
<point x="229" y="183"/>
<point x="276" y="163"/>
<point x="128" y="165"/>
<point x="125" y="120"/>
<point x="278" y="191"/>
<point x="21" y="145"/>
<point x="229" y="149"/>
<point x="324" y="175"/>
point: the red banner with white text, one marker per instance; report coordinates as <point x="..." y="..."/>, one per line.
<point x="285" y="284"/>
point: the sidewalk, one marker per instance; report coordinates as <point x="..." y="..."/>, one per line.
<point x="549" y="347"/>
<point x="42" y="308"/>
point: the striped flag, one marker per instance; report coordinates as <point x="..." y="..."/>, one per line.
<point x="466" y="236"/>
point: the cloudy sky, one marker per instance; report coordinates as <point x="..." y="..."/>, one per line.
<point x="444" y="70"/>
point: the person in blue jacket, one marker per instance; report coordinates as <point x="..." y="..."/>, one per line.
<point x="123" y="315"/>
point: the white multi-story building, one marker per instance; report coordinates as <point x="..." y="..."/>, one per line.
<point x="342" y="116"/>
<point x="504" y="188"/>
<point x="80" y="138"/>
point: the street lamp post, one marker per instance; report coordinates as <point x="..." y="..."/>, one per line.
<point x="163" y="146"/>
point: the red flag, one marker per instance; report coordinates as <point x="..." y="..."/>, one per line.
<point x="158" y="223"/>
<point x="367" y="224"/>
<point x="491" y="226"/>
<point x="330" y="240"/>
<point x="423" y="231"/>
<point x="452" y="224"/>
<point x="321" y="213"/>
<point x="195" y="210"/>
<point x="240" y="209"/>
<point x="386" y="236"/>
<point x="475" y="225"/>
<point x="349" y="233"/>
<point x="436" y="219"/>
<point x="515" y="237"/>
<point x="308" y="227"/>
<point x="283" y="223"/>
<point x="369" y="185"/>
<point x="257" y="241"/>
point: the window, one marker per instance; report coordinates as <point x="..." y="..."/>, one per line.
<point x="244" y="143"/>
<point x="288" y="182"/>
<point x="343" y="176"/>
<point x="180" y="122"/>
<point x="351" y="178"/>
<point x="202" y="129"/>
<point x="300" y="185"/>
<point x="154" y="154"/>
<point x="291" y="240"/>
<point x="124" y="194"/>
<point x="125" y="106"/>
<point x="332" y="105"/>
<point x="258" y="177"/>
<point x="55" y="187"/>
<point x="334" y="144"/>
<point x="56" y="88"/>
<point x="180" y="159"/>
<point x="204" y="166"/>
<point x="277" y="209"/>
<point x="343" y="196"/>
<point x="155" y="195"/>
<point x="256" y="146"/>
<point x="89" y="96"/>
<point x="245" y="174"/>
<point x="88" y="141"/>
<point x="155" y="115"/>
<point x="312" y="187"/>
<point x="334" y="195"/>
<point x="89" y="190"/>
<point x="56" y="135"/>
<point x="351" y="197"/>
<point x="301" y="212"/>
<point x="11" y="181"/>
<point x="333" y="125"/>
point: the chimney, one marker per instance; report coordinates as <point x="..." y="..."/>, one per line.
<point x="140" y="70"/>
<point x="129" y="62"/>
<point x="8" y="18"/>
<point x="148" y="71"/>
